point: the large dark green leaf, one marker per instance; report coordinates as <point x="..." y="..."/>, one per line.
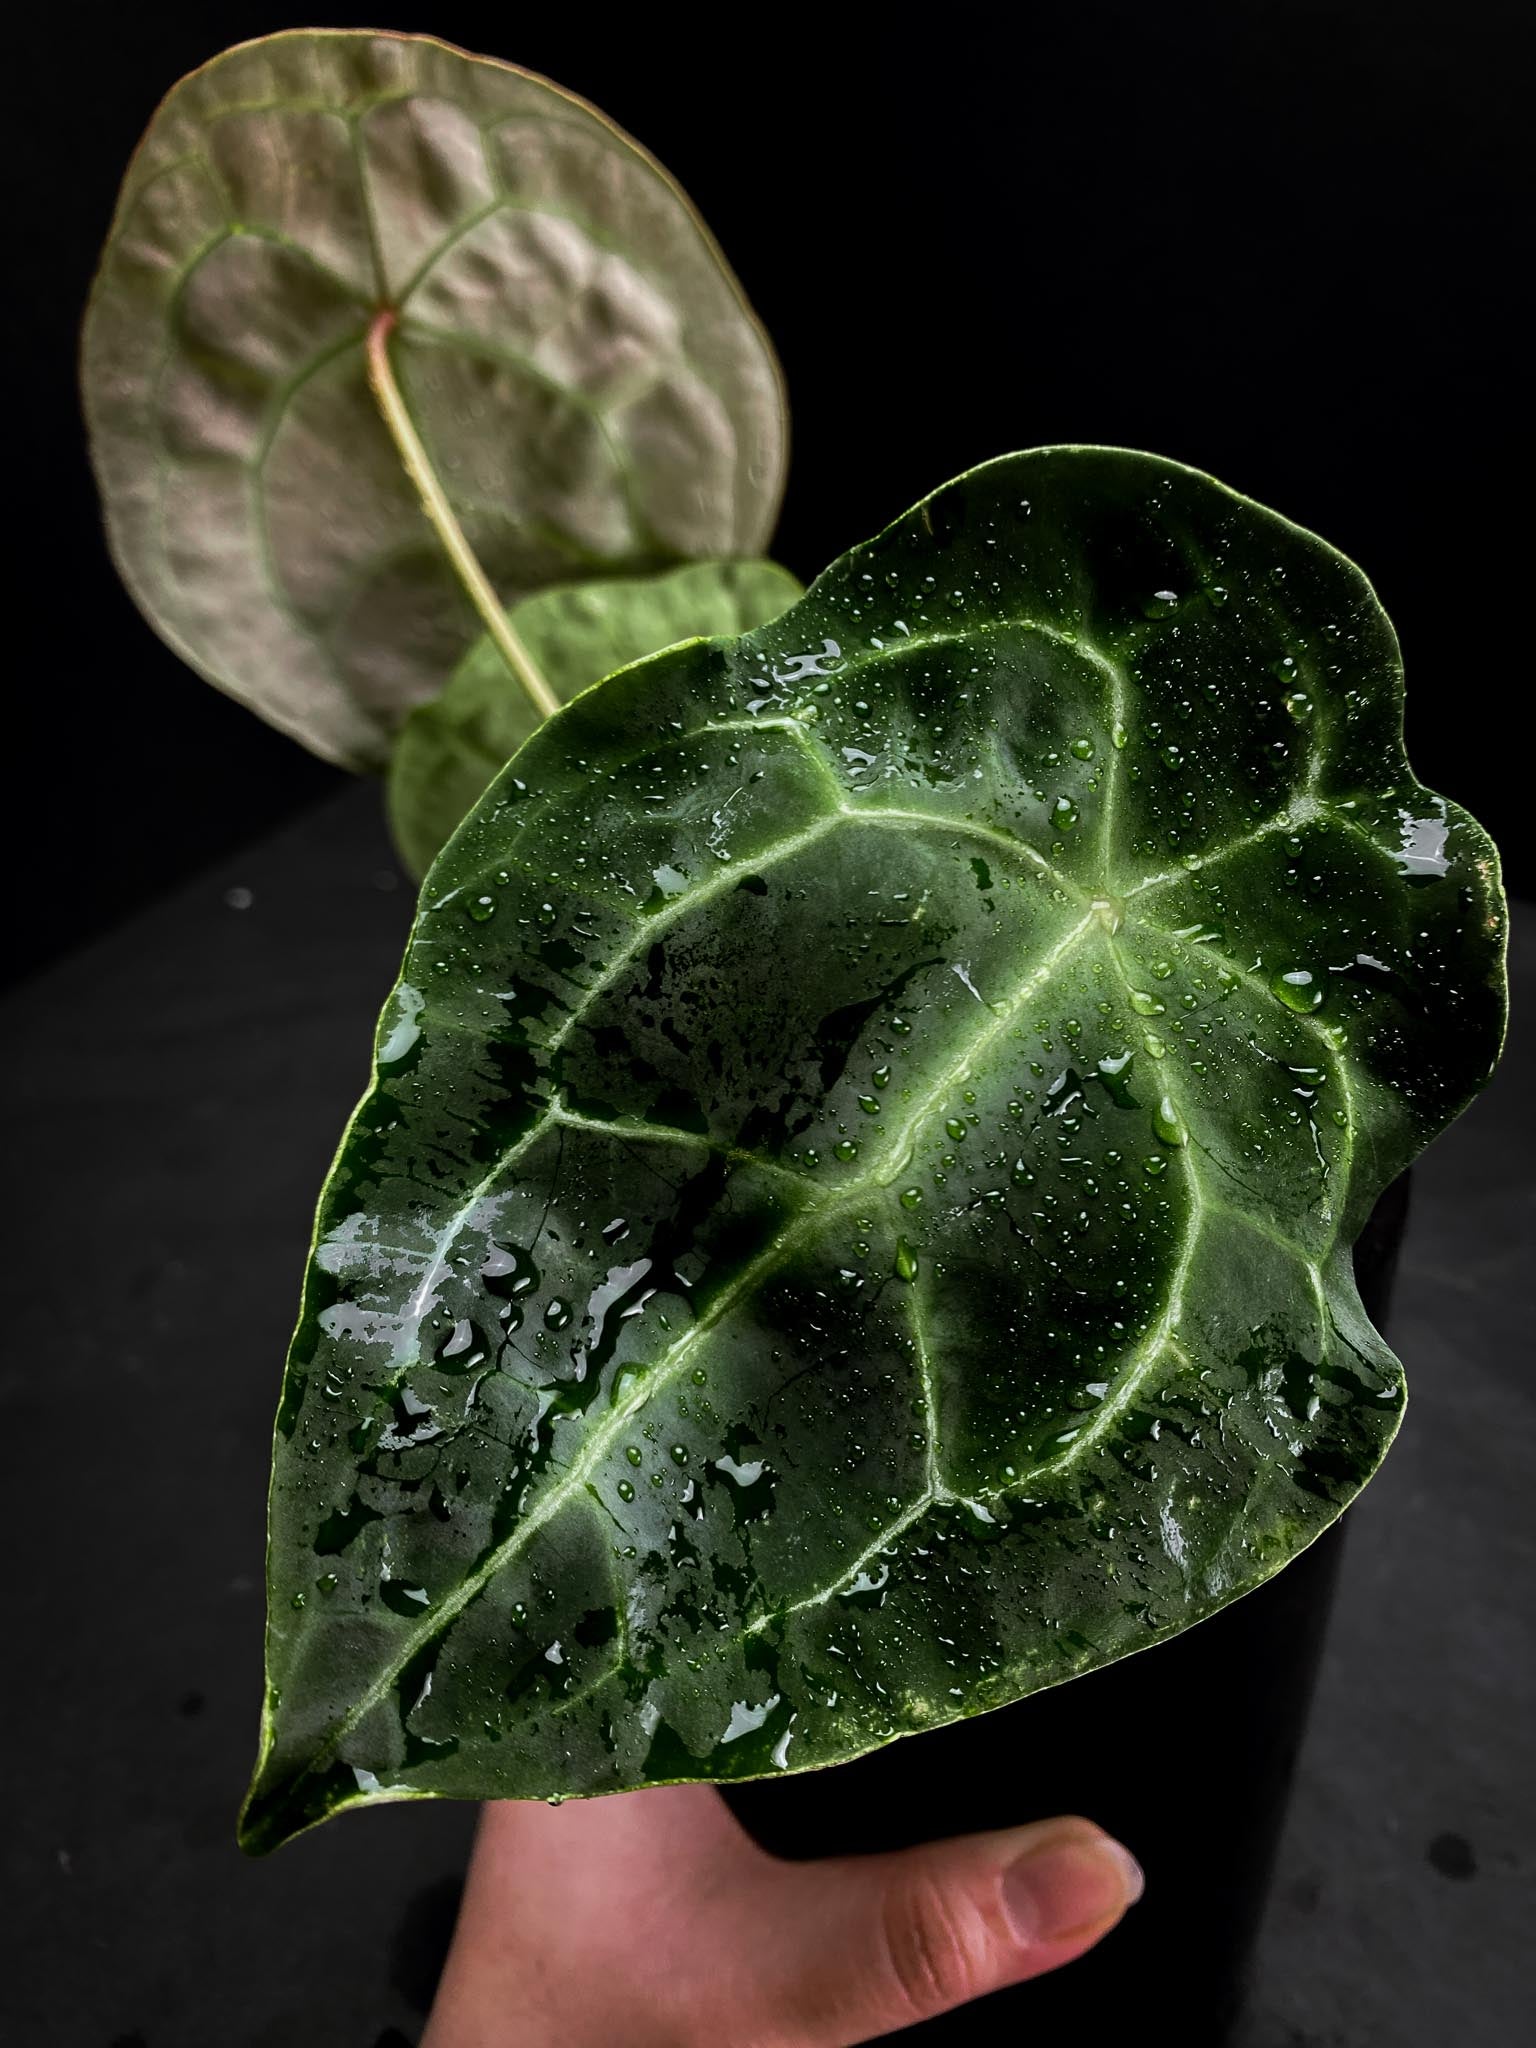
<point x="851" y="1222"/>
<point x="451" y="748"/>
<point x="592" y="390"/>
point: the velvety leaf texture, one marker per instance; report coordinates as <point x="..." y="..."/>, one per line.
<point x="851" y="1221"/>
<point x="589" y="384"/>
<point x="451" y="748"/>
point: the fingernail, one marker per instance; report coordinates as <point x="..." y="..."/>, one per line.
<point x="1070" y="1884"/>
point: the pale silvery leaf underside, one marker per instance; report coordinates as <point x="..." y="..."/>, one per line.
<point x="590" y="386"/>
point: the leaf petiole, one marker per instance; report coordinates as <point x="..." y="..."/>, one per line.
<point x="434" y="503"/>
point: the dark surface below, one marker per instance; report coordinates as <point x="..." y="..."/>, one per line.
<point x="175" y="1095"/>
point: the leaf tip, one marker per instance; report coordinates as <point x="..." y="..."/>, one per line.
<point x="292" y="1791"/>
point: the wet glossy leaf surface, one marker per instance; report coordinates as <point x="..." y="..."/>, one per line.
<point x="592" y="389"/>
<point x="851" y="1221"/>
<point x="451" y="748"/>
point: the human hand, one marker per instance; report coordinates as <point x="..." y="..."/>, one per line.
<point x="652" y="1920"/>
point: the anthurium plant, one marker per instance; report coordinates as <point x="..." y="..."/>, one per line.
<point x="850" y="1221"/>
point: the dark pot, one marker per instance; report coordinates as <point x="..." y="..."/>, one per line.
<point x="1186" y="1754"/>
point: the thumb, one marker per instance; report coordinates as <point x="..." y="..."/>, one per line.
<point x="859" y="1946"/>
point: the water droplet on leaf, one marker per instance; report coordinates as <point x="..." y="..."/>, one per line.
<point x="1167" y="1123"/>
<point x="1299" y="989"/>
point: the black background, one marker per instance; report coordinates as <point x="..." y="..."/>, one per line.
<point x="1274" y="239"/>
<point x="1281" y="241"/>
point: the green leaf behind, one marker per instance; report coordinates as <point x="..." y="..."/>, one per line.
<point x="591" y="387"/>
<point x="451" y="748"/>
<point x="851" y="1223"/>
